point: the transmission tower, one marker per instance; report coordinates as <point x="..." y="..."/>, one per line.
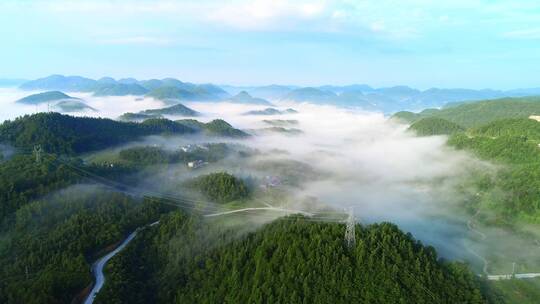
<point x="350" y="237"/>
<point x="37" y="153"/>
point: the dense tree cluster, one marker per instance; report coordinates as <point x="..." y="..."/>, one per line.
<point x="518" y="178"/>
<point x="515" y="127"/>
<point x="293" y="260"/>
<point x="149" y="155"/>
<point x="64" y="134"/>
<point x="435" y="126"/>
<point x="221" y="187"/>
<point x="57" y="133"/>
<point x="23" y="179"/>
<point x="475" y="114"/>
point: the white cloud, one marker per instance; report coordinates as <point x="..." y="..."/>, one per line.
<point x="527" y="34"/>
<point x="138" y="40"/>
<point x="266" y="14"/>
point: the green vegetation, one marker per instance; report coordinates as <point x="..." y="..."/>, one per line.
<point x="498" y="131"/>
<point x="22" y="179"/>
<point x="406" y="116"/>
<point x="144" y="156"/>
<point x="44" y="97"/>
<point x="58" y="133"/>
<point x="64" y="134"/>
<point x="178" y="109"/>
<point x="217" y="127"/>
<point x="136" y="117"/>
<point x="475" y="114"/>
<point x="282" y="130"/>
<point x="45" y="255"/>
<point x="221" y="187"/>
<point x="514" y="193"/>
<point x="435" y="126"/>
<point x="292" y="260"/>
<point x="518" y="291"/>
<point x="516" y="127"/>
<point x="220" y="127"/>
<point x="72" y="106"/>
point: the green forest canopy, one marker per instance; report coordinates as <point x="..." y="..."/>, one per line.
<point x="292" y="260"/>
<point x="474" y="114"/>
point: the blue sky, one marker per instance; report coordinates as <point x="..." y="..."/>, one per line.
<point x="460" y="43"/>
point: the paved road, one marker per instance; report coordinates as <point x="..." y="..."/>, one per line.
<point x="260" y="208"/>
<point x="510" y="276"/>
<point x="97" y="268"/>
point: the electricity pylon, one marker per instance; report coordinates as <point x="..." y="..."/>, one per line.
<point x="37" y="153"/>
<point x="350" y="237"/>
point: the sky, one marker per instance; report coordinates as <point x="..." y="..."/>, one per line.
<point x="420" y="43"/>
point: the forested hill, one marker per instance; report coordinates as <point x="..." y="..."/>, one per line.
<point x="475" y="114"/>
<point x="499" y="131"/>
<point x="292" y="260"/>
<point x="435" y="126"/>
<point x="57" y="133"/>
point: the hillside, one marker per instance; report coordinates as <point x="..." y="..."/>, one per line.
<point x="292" y="260"/>
<point x="178" y="109"/>
<point x="136" y="117"/>
<point x="244" y="98"/>
<point x="220" y="187"/>
<point x="518" y="127"/>
<point x="50" y="96"/>
<point x="217" y="127"/>
<point x="118" y="89"/>
<point x="479" y="113"/>
<point x="57" y="133"/>
<point x="72" y="105"/>
<point x="435" y="126"/>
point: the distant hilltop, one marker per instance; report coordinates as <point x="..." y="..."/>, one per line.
<point x="171" y="90"/>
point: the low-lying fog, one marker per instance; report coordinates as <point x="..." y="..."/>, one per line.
<point x="371" y="164"/>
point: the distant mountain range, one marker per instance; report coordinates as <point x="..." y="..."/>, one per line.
<point x="168" y="88"/>
<point x="387" y="100"/>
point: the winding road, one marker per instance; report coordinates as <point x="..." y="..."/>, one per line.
<point x="260" y="208"/>
<point x="97" y="268"/>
